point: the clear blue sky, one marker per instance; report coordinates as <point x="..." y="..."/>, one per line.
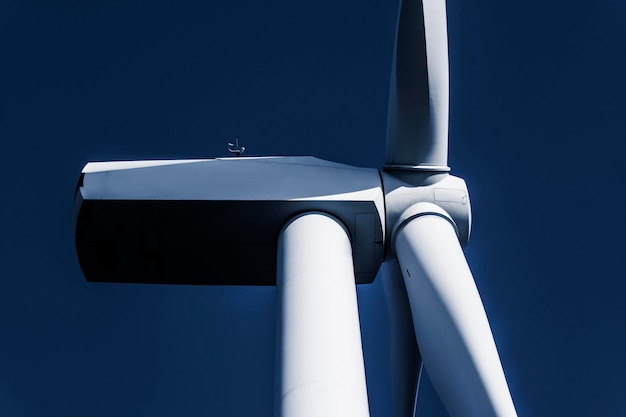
<point x="537" y="130"/>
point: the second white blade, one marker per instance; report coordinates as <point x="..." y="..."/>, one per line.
<point x="450" y="323"/>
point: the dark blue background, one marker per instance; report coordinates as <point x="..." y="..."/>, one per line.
<point x="536" y="129"/>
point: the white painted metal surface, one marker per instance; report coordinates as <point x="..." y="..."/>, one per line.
<point x="321" y="371"/>
<point x="450" y="323"/>
<point x="297" y="178"/>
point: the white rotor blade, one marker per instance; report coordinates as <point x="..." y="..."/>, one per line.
<point x="451" y="326"/>
<point x="417" y="119"/>
<point x="406" y="362"/>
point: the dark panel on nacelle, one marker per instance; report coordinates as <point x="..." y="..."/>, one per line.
<point x="206" y="242"/>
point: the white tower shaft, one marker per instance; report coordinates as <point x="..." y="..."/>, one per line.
<point x="320" y="365"/>
<point x="450" y="323"/>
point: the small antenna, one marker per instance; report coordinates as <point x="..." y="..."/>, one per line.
<point x="235" y="148"/>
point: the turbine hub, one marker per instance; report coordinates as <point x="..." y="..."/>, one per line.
<point x="404" y="189"/>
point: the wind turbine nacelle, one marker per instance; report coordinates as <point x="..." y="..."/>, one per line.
<point x="216" y="221"/>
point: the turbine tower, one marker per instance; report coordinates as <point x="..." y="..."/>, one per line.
<point x="314" y="229"/>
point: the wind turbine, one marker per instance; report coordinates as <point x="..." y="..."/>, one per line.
<point x="315" y="228"/>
